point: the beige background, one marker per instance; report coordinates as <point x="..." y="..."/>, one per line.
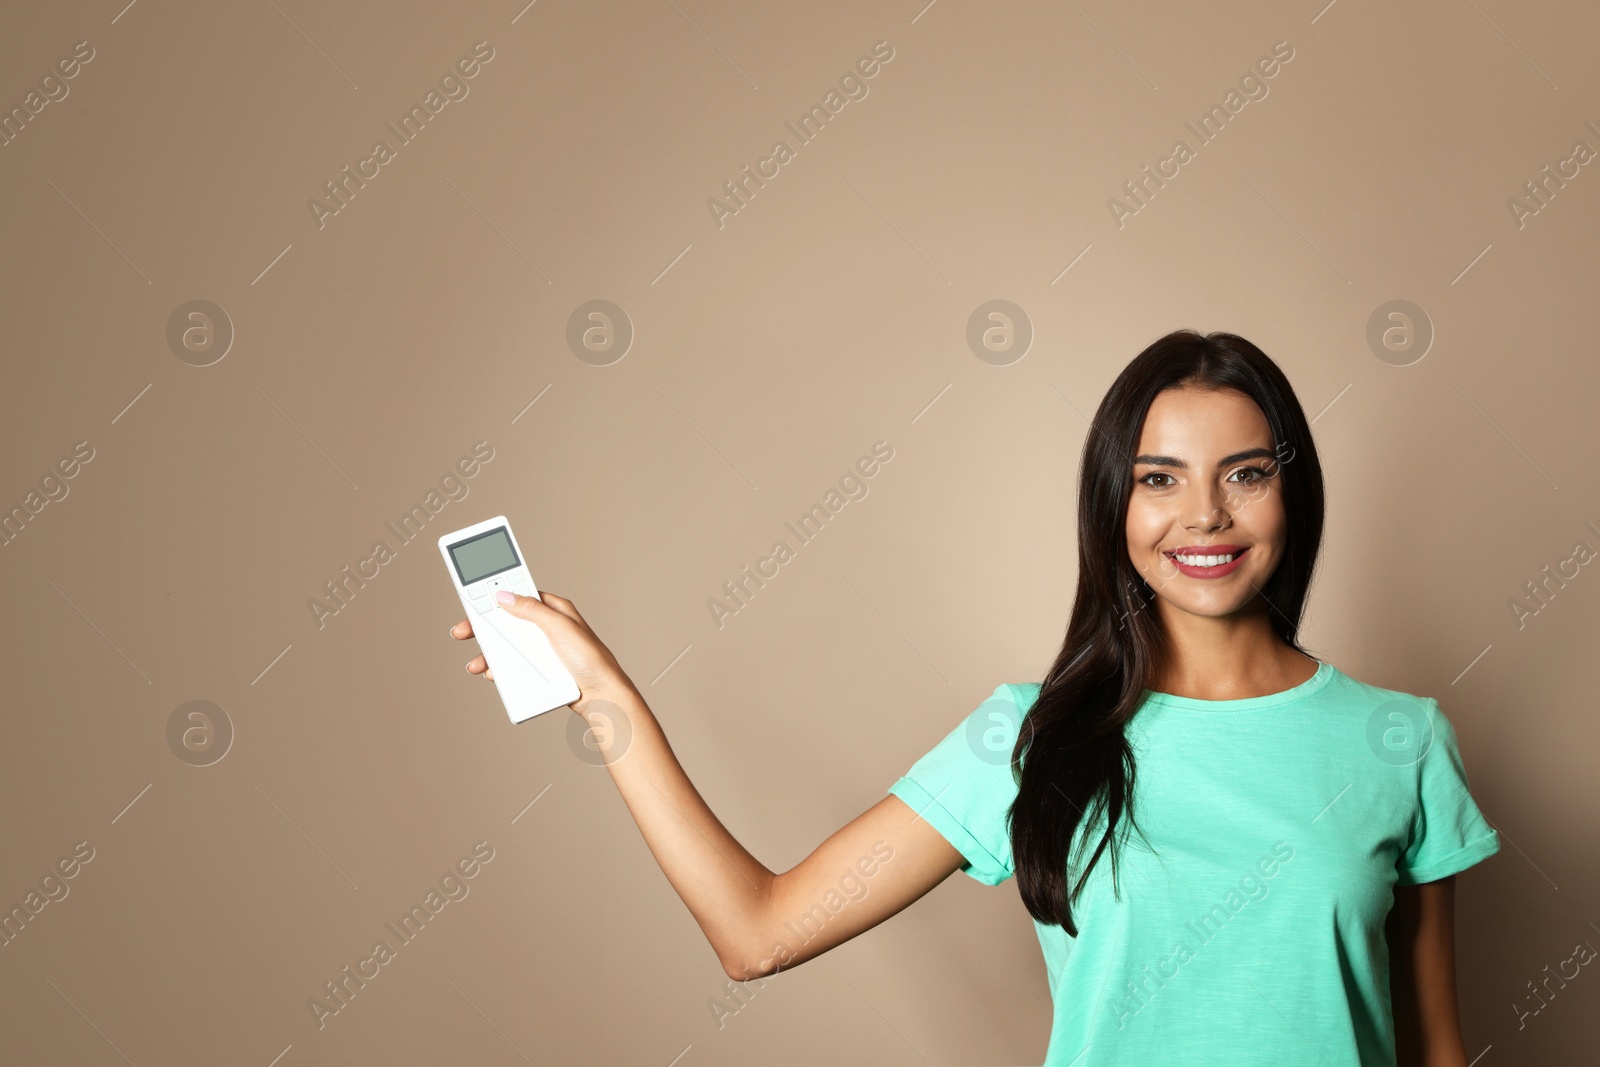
<point x="770" y="353"/>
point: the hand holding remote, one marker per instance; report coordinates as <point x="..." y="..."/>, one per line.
<point x="587" y="659"/>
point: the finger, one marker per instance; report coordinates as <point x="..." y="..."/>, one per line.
<point x="477" y="665"/>
<point x="530" y="607"/>
<point x="461" y="630"/>
<point x="561" y="604"/>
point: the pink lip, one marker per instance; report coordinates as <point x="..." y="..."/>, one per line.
<point x="1237" y="551"/>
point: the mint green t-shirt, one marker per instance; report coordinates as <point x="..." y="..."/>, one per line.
<point x="1253" y="934"/>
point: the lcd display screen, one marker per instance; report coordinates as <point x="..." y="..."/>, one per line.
<point x="486" y="554"/>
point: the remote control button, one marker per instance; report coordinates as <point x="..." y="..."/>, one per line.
<point x="477" y="592"/>
<point x="485" y="605"/>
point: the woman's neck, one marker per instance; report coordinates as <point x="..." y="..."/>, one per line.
<point x="1232" y="657"/>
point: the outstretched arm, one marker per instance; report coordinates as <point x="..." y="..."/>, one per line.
<point x="757" y="921"/>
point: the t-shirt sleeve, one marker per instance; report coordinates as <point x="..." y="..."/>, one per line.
<point x="963" y="787"/>
<point x="1448" y="832"/>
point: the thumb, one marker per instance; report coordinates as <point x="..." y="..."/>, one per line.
<point x="525" y="607"/>
<point x="534" y="610"/>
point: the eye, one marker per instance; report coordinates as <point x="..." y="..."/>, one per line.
<point x="1261" y="475"/>
<point x="1154" y="474"/>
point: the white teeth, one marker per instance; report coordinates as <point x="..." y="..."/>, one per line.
<point x="1203" y="561"/>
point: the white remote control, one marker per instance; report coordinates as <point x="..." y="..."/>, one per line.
<point x="483" y="559"/>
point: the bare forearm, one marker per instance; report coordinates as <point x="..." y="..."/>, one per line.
<point x="1427" y="1020"/>
<point x="725" y="888"/>
<point x="825" y="900"/>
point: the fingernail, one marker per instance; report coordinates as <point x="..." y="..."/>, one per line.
<point x="506" y="596"/>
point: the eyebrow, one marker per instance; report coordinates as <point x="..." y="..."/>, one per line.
<point x="1173" y="461"/>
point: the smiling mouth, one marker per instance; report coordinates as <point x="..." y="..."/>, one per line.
<point x="1210" y="557"/>
<point x="1207" y="561"/>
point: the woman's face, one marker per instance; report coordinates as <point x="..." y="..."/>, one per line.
<point x="1206" y="484"/>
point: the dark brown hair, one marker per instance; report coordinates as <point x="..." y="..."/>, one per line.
<point x="1072" y="761"/>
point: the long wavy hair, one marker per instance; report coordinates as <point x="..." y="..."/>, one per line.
<point x="1072" y="760"/>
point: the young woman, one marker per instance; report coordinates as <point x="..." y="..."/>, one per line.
<point x="1233" y="853"/>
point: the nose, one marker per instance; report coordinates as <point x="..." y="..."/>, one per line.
<point x="1209" y="512"/>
